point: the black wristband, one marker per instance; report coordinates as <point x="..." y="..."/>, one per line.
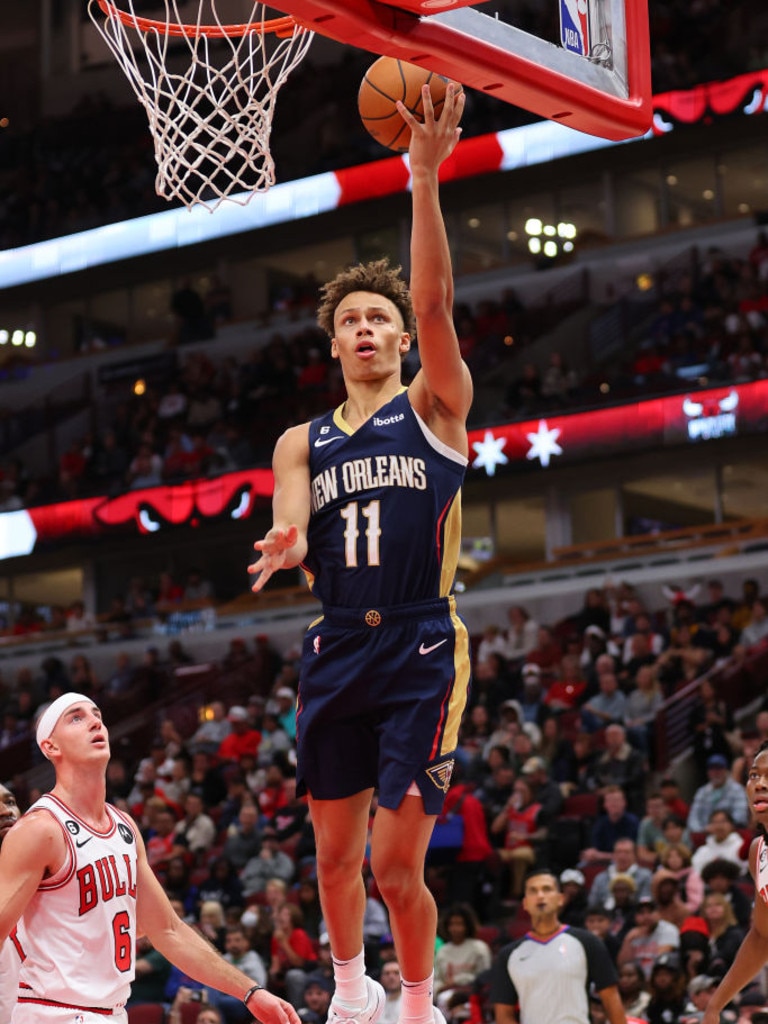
<point x="249" y="993"/>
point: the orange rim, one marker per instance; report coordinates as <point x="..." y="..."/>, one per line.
<point x="280" y="26"/>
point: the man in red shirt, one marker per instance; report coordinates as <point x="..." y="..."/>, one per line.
<point x="242" y="739"/>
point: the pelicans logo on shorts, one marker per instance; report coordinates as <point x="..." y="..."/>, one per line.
<point x="440" y="774"/>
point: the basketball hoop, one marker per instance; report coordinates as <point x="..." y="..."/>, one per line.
<point x="209" y="106"/>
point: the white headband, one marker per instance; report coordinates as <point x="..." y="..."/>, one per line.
<point x="47" y="721"/>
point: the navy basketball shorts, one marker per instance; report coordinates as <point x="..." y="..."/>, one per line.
<point x="380" y="701"/>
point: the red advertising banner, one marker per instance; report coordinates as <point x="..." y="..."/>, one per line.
<point x="537" y="444"/>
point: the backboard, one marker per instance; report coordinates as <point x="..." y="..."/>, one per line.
<point x="596" y="78"/>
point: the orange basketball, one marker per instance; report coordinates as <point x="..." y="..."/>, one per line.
<point x="387" y="81"/>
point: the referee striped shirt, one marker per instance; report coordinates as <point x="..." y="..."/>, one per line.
<point x="550" y="980"/>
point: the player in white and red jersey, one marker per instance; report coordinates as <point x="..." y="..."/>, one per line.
<point x="77" y="869"/>
<point x="753" y="952"/>
<point x="10" y="957"/>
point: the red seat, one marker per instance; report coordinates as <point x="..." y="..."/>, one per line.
<point x="580" y="805"/>
<point x="146" y="1013"/>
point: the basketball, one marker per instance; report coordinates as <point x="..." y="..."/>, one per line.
<point x="387" y="81"/>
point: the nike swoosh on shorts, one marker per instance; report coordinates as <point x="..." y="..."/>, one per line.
<point x="433" y="647"/>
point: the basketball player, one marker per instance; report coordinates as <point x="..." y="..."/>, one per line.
<point x="76" y="868"/>
<point x="753" y="952"/>
<point x="9" y="954"/>
<point x="366" y="501"/>
<point x="548" y="972"/>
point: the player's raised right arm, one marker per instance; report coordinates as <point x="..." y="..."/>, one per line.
<point x="33" y="847"/>
<point x="285" y="544"/>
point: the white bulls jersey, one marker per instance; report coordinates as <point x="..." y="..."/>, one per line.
<point x="10" y="962"/>
<point x="761" y="882"/>
<point x="79" y="936"/>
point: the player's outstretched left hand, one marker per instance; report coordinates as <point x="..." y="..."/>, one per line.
<point x="274" y="551"/>
<point x="270" y="1009"/>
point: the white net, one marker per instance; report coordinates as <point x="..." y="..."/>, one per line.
<point x="209" y="90"/>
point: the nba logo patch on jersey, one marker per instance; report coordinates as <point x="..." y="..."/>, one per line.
<point x="574" y="26"/>
<point x="316" y="644"/>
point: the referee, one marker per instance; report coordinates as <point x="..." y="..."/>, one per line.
<point x="546" y="976"/>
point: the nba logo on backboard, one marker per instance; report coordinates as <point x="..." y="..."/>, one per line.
<point x="574" y="26"/>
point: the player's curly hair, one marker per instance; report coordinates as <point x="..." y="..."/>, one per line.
<point x="376" y="276"/>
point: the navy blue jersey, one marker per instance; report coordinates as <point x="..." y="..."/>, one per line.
<point x="385" y="522"/>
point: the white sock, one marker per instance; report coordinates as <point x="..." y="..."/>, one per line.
<point x="416" y="1002"/>
<point x="351" y="992"/>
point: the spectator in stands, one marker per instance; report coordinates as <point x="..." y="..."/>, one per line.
<point x="522" y="634"/>
<point x="293" y="954"/>
<point x="547" y="652"/>
<point x="650" y="939"/>
<point x="241" y="739"/>
<point x="598" y="921"/>
<point x="667" y="987"/>
<point x="742" y="614"/>
<point x="211" y="923"/>
<point x="318" y="991"/>
<point x="723" y="842"/>
<point x="666" y="894"/>
<point x="391" y="982"/>
<point x="756" y="630"/>
<point x="546" y="791"/>
<point x="620" y="765"/>
<point x="578" y="773"/>
<point x="568" y="689"/>
<point x="78" y="619"/>
<point x="197" y="588"/>
<point x="670" y="790"/>
<point x="521" y="826"/>
<point x="222" y="885"/>
<point x="237" y="951"/>
<point x="720" y="793"/>
<point x="676" y="859"/>
<point x="285" y="699"/>
<point x="243" y="840"/>
<point x="209" y="736"/>
<point x="682" y="661"/>
<point x="722" y="876"/>
<point x="623" y="896"/>
<point x="196" y="830"/>
<point x="609" y="705"/>
<point x="532" y="698"/>
<point x="633" y="989"/>
<point x="574" y="888"/>
<point x="274" y="739"/>
<point x="145" y="469"/>
<point x="161" y="842"/>
<point x="643" y="703"/>
<point x="623" y="862"/>
<point x="614" y="822"/>
<point x="308" y="897"/>
<point x="273" y="794"/>
<point x="650" y="835"/>
<point x="496" y="790"/>
<point x="711" y="721"/>
<point x="461" y="958"/>
<point x="725" y="936"/>
<point x="269" y="863"/>
<point x="492" y="642"/>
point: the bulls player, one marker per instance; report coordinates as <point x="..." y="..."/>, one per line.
<point x="753" y="952"/>
<point x="76" y="868"/>
<point x="367" y="501"/>
<point x="9" y="953"/>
